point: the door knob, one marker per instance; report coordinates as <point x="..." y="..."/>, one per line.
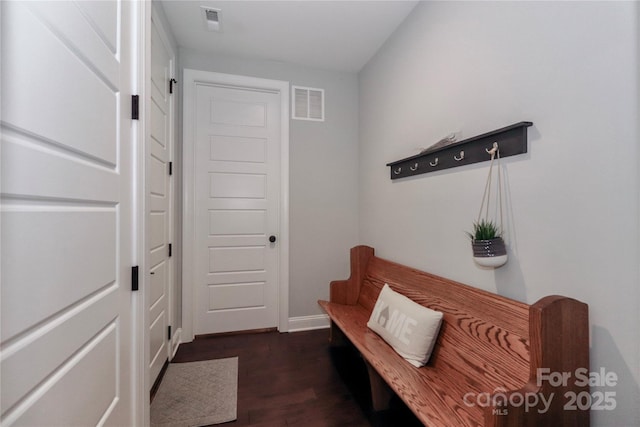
<point x="272" y="239"/>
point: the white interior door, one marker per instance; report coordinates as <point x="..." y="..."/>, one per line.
<point x="66" y="351"/>
<point x="159" y="202"/>
<point x="237" y="191"/>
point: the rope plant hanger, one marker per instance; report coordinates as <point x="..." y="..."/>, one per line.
<point x="486" y="240"/>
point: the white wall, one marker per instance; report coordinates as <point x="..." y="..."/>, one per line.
<point x="573" y="200"/>
<point x="323" y="175"/>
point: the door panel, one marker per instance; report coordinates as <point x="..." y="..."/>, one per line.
<point x="159" y="199"/>
<point x="23" y="370"/>
<point x="238" y="295"/>
<point x="67" y="121"/>
<point x="98" y="396"/>
<point x="237" y="222"/>
<point x="232" y="259"/>
<point x="238" y="149"/>
<point x="237" y="186"/>
<point x="53" y="235"/>
<point x="66" y="214"/>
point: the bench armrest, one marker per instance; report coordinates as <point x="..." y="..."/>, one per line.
<point x="559" y="345"/>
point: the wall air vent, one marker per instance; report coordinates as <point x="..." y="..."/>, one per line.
<point x="212" y="18"/>
<point x="307" y="103"/>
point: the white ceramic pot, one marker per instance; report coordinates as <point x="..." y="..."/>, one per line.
<point x="489" y="253"/>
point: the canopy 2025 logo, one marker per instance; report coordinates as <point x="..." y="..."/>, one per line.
<point x="581" y="377"/>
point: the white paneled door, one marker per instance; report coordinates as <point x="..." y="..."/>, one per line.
<point x="237" y="199"/>
<point x="66" y="191"/>
<point x="159" y="201"/>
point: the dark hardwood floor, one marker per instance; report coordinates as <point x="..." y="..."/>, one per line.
<point x="297" y="379"/>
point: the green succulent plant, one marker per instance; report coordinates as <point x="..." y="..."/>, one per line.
<point x="484" y="230"/>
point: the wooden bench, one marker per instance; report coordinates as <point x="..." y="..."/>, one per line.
<point x="484" y="367"/>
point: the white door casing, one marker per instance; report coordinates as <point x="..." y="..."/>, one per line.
<point x="67" y="192"/>
<point x="160" y="200"/>
<point x="234" y="278"/>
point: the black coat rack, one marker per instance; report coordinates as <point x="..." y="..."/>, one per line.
<point x="511" y="140"/>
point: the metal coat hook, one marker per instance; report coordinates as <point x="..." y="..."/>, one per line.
<point x="397" y="171"/>
<point x="434" y="164"/>
<point x="414" y="167"/>
<point x="456" y="158"/>
<point x="493" y="150"/>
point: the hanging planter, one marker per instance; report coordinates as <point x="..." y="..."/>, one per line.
<point x="488" y="246"/>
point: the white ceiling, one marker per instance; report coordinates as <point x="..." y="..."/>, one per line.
<point x="337" y="35"/>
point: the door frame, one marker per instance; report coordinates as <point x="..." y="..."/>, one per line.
<point x="192" y="78"/>
<point x="140" y="129"/>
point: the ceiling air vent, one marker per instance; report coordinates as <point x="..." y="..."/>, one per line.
<point x="308" y="103"/>
<point x="211" y="18"/>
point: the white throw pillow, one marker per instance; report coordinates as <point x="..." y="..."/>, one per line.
<point x="405" y="325"/>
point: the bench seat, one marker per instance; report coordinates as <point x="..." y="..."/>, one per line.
<point x="488" y="346"/>
<point x="434" y="404"/>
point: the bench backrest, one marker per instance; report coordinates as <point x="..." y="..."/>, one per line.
<point x="484" y="337"/>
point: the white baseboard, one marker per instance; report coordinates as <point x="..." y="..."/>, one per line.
<point x="175" y="342"/>
<point x="308" y="323"/>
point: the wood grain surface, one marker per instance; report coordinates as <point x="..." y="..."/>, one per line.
<point x="487" y="344"/>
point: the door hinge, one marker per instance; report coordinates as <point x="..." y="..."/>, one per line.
<point x="170" y="249"/>
<point x="135" y="107"/>
<point x="171" y="83"/>
<point x="134" y="278"/>
<point x="169" y="332"/>
<point x="170" y="168"/>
